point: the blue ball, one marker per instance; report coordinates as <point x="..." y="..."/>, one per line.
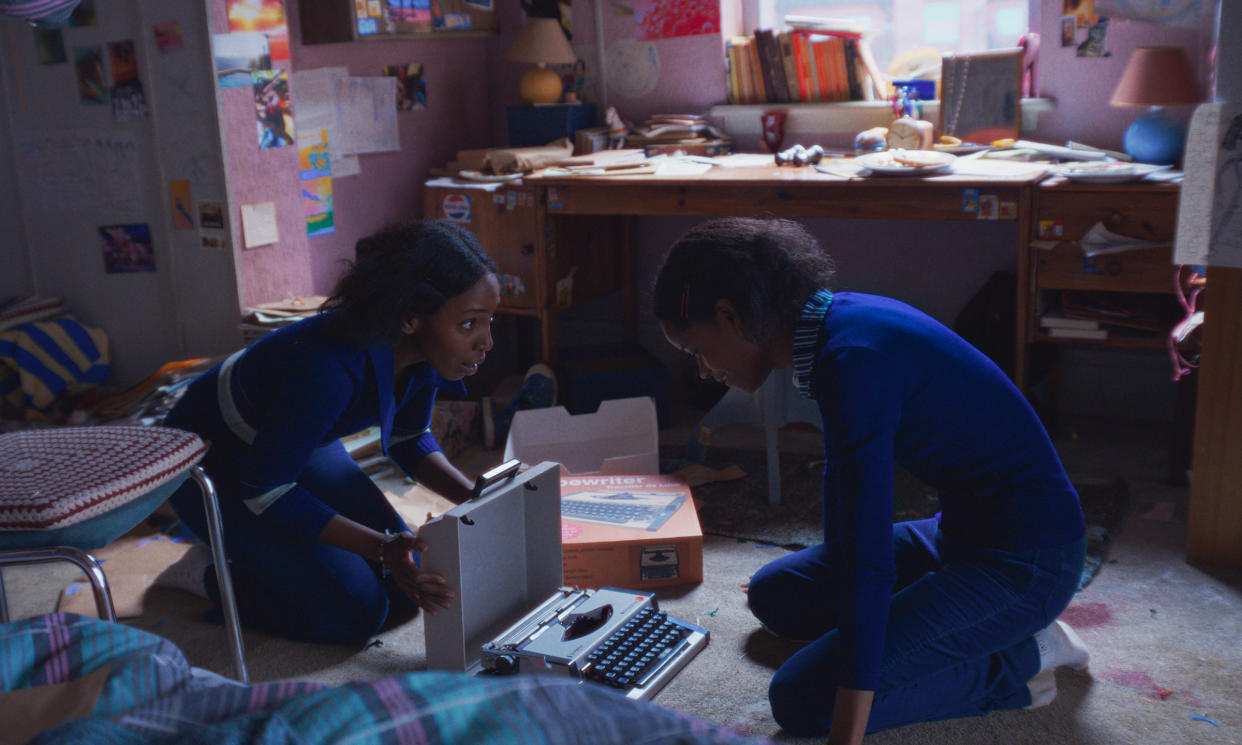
<point x="1155" y="138"/>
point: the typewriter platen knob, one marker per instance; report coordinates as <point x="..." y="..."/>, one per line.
<point x="505" y="664"/>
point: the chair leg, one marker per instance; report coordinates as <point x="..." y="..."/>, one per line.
<point x="78" y="557"/>
<point x="211" y="507"/>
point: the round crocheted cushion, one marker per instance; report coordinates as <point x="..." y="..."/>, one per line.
<point x="54" y="478"/>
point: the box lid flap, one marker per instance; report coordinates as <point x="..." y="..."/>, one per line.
<point x="622" y="436"/>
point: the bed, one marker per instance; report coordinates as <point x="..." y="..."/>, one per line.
<point x="68" y="679"/>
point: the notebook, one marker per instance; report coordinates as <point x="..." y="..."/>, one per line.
<point x="501" y="552"/>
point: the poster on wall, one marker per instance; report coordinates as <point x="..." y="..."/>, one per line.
<point x="128" y="102"/>
<point x="50" y="46"/>
<point x="127" y="248"/>
<point x="273" y="109"/>
<point x="89" y="64"/>
<point x="668" y="19"/>
<point x="238" y="55"/>
<point x="1184" y="13"/>
<point x="411" y="88"/>
<point x="83" y="14"/>
<point x="262" y="16"/>
<point x="180" y="204"/>
<point x="316" y="176"/>
<point x="168" y="35"/>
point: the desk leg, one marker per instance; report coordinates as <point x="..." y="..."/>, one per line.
<point x="629" y="277"/>
<point x="1026" y="290"/>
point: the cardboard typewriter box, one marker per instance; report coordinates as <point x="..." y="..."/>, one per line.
<point x="622" y="523"/>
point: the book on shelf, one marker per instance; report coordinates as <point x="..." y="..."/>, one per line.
<point x="784" y="40"/>
<point x="1064" y="332"/>
<point x="801" y="64"/>
<point x="1052" y="319"/>
<point x="834" y="26"/>
<point x="773" y="66"/>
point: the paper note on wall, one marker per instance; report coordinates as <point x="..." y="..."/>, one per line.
<point x="259" y="224"/>
<point x="366" y="111"/>
<point x="75" y="171"/>
<point x="314" y="92"/>
<point x="1209" y="214"/>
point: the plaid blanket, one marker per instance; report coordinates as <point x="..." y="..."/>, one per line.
<point x="153" y="695"/>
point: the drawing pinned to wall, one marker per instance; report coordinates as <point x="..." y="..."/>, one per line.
<point x="211" y="215"/>
<point x="50" y="46"/>
<point x="313" y="159"/>
<point x="92" y="76"/>
<point x="256" y="15"/>
<point x="366" y="115"/>
<point x="238" y="55"/>
<point x="411" y="88"/>
<point x="180" y="204"/>
<point x="1082" y="10"/>
<point x="633" y="68"/>
<point x="70" y="171"/>
<point x="1094" y="45"/>
<point x="84" y="14"/>
<point x="273" y="109"/>
<point x="317" y="201"/>
<point x="127" y="248"/>
<point x="1186" y="13"/>
<point x="128" y="102"/>
<point x="668" y="19"/>
<point x="1069" y="31"/>
<point x="168" y="35"/>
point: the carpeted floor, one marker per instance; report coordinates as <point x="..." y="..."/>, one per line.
<point x="739" y="508"/>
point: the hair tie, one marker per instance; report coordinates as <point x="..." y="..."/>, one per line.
<point x="685" y="302"/>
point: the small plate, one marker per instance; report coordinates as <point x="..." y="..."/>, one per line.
<point x="1104" y="172"/>
<point x="885" y="162"/>
<point x="480" y="176"/>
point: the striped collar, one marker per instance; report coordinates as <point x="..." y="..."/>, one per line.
<point x="806" y="339"/>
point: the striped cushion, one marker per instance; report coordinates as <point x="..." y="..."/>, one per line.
<point x="53" y="478"/>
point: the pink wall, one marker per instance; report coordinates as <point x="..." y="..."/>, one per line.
<point x="389" y="187"/>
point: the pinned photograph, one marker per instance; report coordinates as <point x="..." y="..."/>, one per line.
<point x="211" y="215"/>
<point x="88" y="62"/>
<point x="1069" y="31"/>
<point x="127" y="248"/>
<point x="273" y="110"/>
<point x="256" y="15"/>
<point x="50" y="46"/>
<point x="168" y="35"/>
<point x="128" y="102"/>
<point x="411" y="88"/>
<point x="238" y="55"/>
<point x="179" y="199"/>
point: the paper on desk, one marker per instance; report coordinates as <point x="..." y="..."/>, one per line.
<point x="681" y="167"/>
<point x="1209" y="212"/>
<point x="998" y="168"/>
<point x="452" y="183"/>
<point x="1100" y="241"/>
<point x="316" y="110"/>
<point x="744" y="160"/>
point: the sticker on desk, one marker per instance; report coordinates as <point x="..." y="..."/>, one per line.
<point x="1050" y="229"/>
<point x="565" y="289"/>
<point x="511" y="200"/>
<point x="988" y="208"/>
<point x="498" y="198"/>
<point x="373" y="8"/>
<point x="1008" y="210"/>
<point x="456" y="207"/>
<point x="511" y="285"/>
<point x="367" y="27"/>
<point x="360" y="8"/>
<point x="554" y="198"/>
<point x="970" y="200"/>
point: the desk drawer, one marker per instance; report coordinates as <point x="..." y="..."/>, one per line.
<point x="1064" y="267"/>
<point x="506" y="223"/>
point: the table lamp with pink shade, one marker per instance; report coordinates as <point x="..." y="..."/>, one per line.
<point x="1156" y="77"/>
<point x="541" y="42"/>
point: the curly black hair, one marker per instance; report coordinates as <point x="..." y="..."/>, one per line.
<point x="401" y="272"/>
<point x="765" y="267"/>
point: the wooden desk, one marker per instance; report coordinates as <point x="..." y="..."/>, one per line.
<point x="792" y="192"/>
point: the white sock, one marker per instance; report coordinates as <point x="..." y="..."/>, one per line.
<point x="1059" y="645"/>
<point x="1043" y="688"/>
<point x="189" y="573"/>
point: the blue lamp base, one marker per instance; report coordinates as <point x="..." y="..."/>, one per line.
<point x="1156" y="137"/>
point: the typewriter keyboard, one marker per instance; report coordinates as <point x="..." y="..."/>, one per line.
<point x="634" y="652"/>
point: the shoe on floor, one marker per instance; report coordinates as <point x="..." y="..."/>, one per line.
<point x="538" y="391"/>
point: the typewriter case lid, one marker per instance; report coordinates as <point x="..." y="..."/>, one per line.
<point x="500" y="552"/>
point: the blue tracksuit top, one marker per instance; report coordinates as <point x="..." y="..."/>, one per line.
<point x="298" y="389"/>
<point x="895" y="386"/>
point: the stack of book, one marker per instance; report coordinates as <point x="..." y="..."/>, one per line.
<point x="1058" y="325"/>
<point x="687" y="133"/>
<point x="815" y="60"/>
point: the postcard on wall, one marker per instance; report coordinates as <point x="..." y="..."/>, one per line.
<point x="366" y="112"/>
<point x="179" y="202"/>
<point x="256" y="15"/>
<point x="237" y="55"/>
<point x="92" y="74"/>
<point x="313" y="158"/>
<point x="127" y="248"/>
<point x="411" y="88"/>
<point x="316" y="110"/>
<point x="50" y="46"/>
<point x="317" y="201"/>
<point x="168" y="35"/>
<point x="259" y="224"/>
<point x="211" y="215"/>
<point x="273" y="109"/>
<point x="128" y="102"/>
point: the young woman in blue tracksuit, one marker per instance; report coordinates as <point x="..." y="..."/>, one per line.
<point x="316" y="551"/>
<point x="946" y="617"/>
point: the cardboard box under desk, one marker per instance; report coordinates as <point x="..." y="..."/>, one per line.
<point x="622" y="523"/>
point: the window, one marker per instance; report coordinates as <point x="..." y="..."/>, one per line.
<point x="912" y="32"/>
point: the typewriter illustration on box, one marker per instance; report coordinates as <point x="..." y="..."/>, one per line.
<point x="636" y="510"/>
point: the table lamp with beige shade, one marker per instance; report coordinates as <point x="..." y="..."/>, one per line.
<point x="1157" y="77"/>
<point x="541" y="42"/>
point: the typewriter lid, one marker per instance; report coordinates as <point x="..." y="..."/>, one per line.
<point x="501" y="554"/>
